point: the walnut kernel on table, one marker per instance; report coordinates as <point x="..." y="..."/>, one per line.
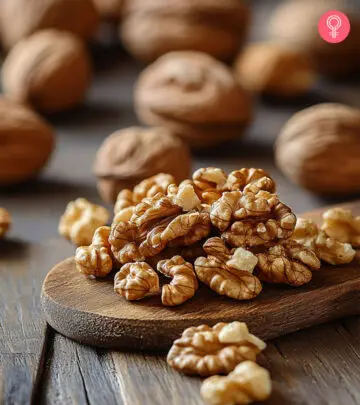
<point x="49" y="70"/>
<point x="228" y="273"/>
<point x="195" y="96"/>
<point x="313" y="140"/>
<point x="80" y="221"/>
<point x="326" y="247"/>
<point x="205" y="350"/>
<point x="5" y="222"/>
<point x="21" y="18"/>
<point x="271" y="68"/>
<point x="26" y="140"/>
<point x="247" y="383"/>
<point x="131" y="155"/>
<point x="218" y="28"/>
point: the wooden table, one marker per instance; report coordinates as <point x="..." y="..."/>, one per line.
<point x="317" y="366"/>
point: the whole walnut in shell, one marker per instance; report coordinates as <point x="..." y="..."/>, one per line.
<point x="194" y="95"/>
<point x="319" y="149"/>
<point x="152" y="28"/>
<point x="270" y="68"/>
<point x="295" y="23"/>
<point x="26" y="143"/>
<point x="50" y="70"/>
<point x="21" y="18"/>
<point x="132" y="154"/>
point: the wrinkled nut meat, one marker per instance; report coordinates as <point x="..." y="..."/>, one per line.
<point x="288" y="262"/>
<point x="135" y="281"/>
<point x="183" y="284"/>
<point x="250" y="219"/>
<point x="95" y="261"/>
<point x="341" y="225"/>
<point x="5" y="222"/>
<point x="205" y="350"/>
<point x="80" y="221"/>
<point x="247" y="383"/>
<point x="226" y="273"/>
<point x="327" y="248"/>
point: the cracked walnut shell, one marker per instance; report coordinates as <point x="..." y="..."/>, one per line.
<point x="5" y="222"/>
<point x="50" y="71"/>
<point x="247" y="383"/>
<point x="327" y="248"/>
<point x="135" y="281"/>
<point x="228" y="273"/>
<point x="205" y="350"/>
<point x="80" y="221"/>
<point x="288" y="262"/>
<point x="95" y="261"/>
<point x="312" y="140"/>
<point x="183" y="284"/>
<point x="340" y="224"/>
<point x="195" y="96"/>
<point x="130" y="155"/>
<point x="76" y="16"/>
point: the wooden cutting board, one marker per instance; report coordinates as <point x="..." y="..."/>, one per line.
<point x="90" y="312"/>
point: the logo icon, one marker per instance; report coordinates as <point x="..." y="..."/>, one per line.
<point x="334" y="27"/>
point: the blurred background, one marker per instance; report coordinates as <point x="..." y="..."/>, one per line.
<point x="122" y="39"/>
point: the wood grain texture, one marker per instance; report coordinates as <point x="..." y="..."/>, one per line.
<point x="90" y="312"/>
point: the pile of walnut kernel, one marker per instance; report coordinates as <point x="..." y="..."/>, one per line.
<point x="230" y="232"/>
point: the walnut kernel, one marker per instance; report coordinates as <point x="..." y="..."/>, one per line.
<point x="80" y="221"/>
<point x="5" y="222"/>
<point x="201" y="351"/>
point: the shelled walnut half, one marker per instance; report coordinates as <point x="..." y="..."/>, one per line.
<point x="326" y="247"/>
<point x="228" y="273"/>
<point x="5" y="222"/>
<point x="80" y="221"/>
<point x="205" y="350"/>
<point x="247" y="383"/>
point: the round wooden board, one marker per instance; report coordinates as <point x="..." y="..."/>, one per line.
<point x="90" y="312"/>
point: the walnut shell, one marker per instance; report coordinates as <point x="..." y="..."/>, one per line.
<point x="26" y="143"/>
<point x="271" y="68"/>
<point x="21" y="18"/>
<point x="319" y="149"/>
<point x="194" y="95"/>
<point x="302" y="16"/>
<point x="130" y="155"/>
<point x="50" y="70"/>
<point x="152" y="28"/>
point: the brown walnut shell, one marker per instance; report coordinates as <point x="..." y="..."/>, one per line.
<point x="50" y="70"/>
<point x="319" y="149"/>
<point x="26" y="143"/>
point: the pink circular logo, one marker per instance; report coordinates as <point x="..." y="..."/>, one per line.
<point x="334" y="26"/>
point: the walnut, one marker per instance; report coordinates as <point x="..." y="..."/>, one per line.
<point x="274" y="69"/>
<point x="295" y="15"/>
<point x="124" y="214"/>
<point x="80" y="221"/>
<point x="26" y="143"/>
<point x="206" y="350"/>
<point x="228" y="273"/>
<point x="209" y="182"/>
<point x="133" y="154"/>
<point x="195" y="96"/>
<point x="95" y="260"/>
<point x="250" y="180"/>
<point x="327" y="248"/>
<point x="150" y="30"/>
<point x="124" y="199"/>
<point x="250" y="219"/>
<point x="313" y="140"/>
<point x="37" y="15"/>
<point x="247" y="383"/>
<point x="340" y="224"/>
<point x="50" y="70"/>
<point x="185" y="196"/>
<point x="135" y="281"/>
<point x="5" y="222"/>
<point x="110" y="9"/>
<point x="152" y="186"/>
<point x="184" y="282"/>
<point x="288" y="262"/>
